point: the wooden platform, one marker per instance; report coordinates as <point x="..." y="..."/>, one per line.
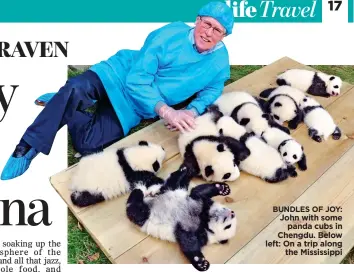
<point x="329" y="180"/>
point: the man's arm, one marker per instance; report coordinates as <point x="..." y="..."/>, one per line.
<point x="210" y="93"/>
<point x="140" y="79"/>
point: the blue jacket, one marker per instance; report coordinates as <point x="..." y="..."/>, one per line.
<point x="167" y="69"/>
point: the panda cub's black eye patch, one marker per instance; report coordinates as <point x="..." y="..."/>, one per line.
<point x="143" y="143"/>
<point x="220" y="148"/>
<point x="156" y="166"/>
<point x="335" y="86"/>
<point x="208" y="171"/>
<point x="277" y="104"/>
<point x="244" y="121"/>
<point x="276" y="117"/>
<point x="295" y="157"/>
<point x="331" y="78"/>
<point x="305" y="99"/>
<point x="227" y="227"/>
<point x="221" y="132"/>
<point x="226" y="176"/>
<point x="285" y="154"/>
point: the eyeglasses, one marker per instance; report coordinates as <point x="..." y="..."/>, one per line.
<point x="216" y="31"/>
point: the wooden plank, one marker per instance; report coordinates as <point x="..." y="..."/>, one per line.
<point x="112" y="223"/>
<point x="334" y="188"/>
<point x="254" y="198"/>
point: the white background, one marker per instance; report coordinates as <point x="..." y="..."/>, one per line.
<point x="327" y="43"/>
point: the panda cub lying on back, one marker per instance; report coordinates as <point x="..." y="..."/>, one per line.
<point x="114" y="172"/>
<point x="192" y="220"/>
<point x="315" y="83"/>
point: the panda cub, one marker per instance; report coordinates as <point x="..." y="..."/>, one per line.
<point x="207" y="154"/>
<point x="114" y="172"/>
<point x="264" y="161"/>
<point x="283" y="103"/>
<point x="290" y="150"/>
<point x="319" y="121"/>
<point x="193" y="220"/>
<point x="247" y="111"/>
<point x="315" y="83"/>
<point x="204" y="125"/>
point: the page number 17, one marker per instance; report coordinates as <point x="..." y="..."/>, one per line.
<point x="334" y="5"/>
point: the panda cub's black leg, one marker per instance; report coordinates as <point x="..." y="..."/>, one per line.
<point x="314" y="135"/>
<point x="137" y="210"/>
<point x="179" y="179"/>
<point x="191" y="248"/>
<point x="266" y="93"/>
<point x="292" y="171"/>
<point x="318" y="91"/>
<point x="296" y="120"/>
<point x="282" y="82"/>
<point x="302" y="163"/>
<point x="337" y="134"/>
<point x="210" y="190"/>
<point x="85" y="198"/>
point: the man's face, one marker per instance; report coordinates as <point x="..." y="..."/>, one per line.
<point x="208" y="32"/>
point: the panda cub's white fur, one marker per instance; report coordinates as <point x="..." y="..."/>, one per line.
<point x="252" y="112"/>
<point x="283" y="104"/>
<point x="227" y="102"/>
<point x="245" y="110"/>
<point x="318" y="120"/>
<point x="205" y="126"/>
<point x="264" y="161"/>
<point x="111" y="173"/>
<point x="290" y="150"/>
<point x="315" y="83"/>
<point x="294" y="93"/>
<point x="282" y="109"/>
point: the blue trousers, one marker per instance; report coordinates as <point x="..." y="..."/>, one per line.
<point x="90" y="132"/>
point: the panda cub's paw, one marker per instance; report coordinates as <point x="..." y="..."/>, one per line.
<point x="153" y="190"/>
<point x="292" y="171"/>
<point x="200" y="263"/>
<point x="223" y="188"/>
<point x="142" y="188"/>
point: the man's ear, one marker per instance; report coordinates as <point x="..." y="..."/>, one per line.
<point x="197" y="19"/>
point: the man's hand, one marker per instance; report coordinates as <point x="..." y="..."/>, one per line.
<point x="177" y="119"/>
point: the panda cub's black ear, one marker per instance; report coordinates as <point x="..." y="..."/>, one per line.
<point x="220" y="148"/>
<point x="331" y="78"/>
<point x="143" y="143"/>
<point x="156" y="166"/>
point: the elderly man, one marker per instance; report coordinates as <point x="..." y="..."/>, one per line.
<point x="175" y="63"/>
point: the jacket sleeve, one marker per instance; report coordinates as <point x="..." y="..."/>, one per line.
<point x="210" y="93"/>
<point x="140" y="84"/>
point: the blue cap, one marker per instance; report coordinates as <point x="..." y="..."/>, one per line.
<point x="220" y="12"/>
